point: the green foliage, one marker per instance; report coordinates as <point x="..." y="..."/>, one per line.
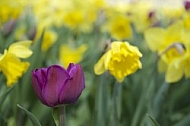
<point x="154" y="123"/>
<point x="33" y="119"/>
<point x="104" y="102"/>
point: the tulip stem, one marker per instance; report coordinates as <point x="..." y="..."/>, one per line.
<point x="62" y="115"/>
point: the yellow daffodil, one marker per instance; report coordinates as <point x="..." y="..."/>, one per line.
<point x="169" y="10"/>
<point x="172" y="45"/>
<point x="49" y="39"/>
<point x="70" y="54"/>
<point x="47" y="12"/>
<point x="74" y="18"/>
<point x="74" y="14"/>
<point x="141" y="14"/>
<point x="119" y="27"/>
<point x="10" y="10"/>
<point x="10" y="64"/>
<point x="121" y="60"/>
<point x="186" y="19"/>
<point x="20" y="49"/>
<point x="81" y="15"/>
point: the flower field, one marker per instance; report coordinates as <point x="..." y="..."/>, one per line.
<point x="95" y="63"/>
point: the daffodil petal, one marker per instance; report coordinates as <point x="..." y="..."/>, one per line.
<point x="69" y="54"/>
<point x="99" y="67"/>
<point x="12" y="67"/>
<point x="21" y="49"/>
<point x="174" y="73"/>
<point x="162" y="66"/>
<point x="155" y="38"/>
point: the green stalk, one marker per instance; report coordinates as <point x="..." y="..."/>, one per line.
<point x="115" y="120"/>
<point x="117" y="99"/>
<point x="59" y="115"/>
<point x="101" y="103"/>
<point x="62" y="115"/>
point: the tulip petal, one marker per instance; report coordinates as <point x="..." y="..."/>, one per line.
<point x="73" y="87"/>
<point x="38" y="81"/>
<point x="70" y="67"/>
<point x="56" y="77"/>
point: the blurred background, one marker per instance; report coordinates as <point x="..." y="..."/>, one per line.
<point x="65" y="31"/>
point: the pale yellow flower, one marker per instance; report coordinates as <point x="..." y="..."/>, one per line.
<point x="48" y="12"/>
<point x="121" y="60"/>
<point x="74" y="18"/>
<point x="169" y="10"/>
<point x="10" y="10"/>
<point x="49" y="39"/>
<point x="10" y="64"/>
<point x="140" y="15"/>
<point x="119" y="27"/>
<point x="81" y="15"/>
<point x="186" y="20"/>
<point x="172" y="45"/>
<point x="21" y="49"/>
<point x="70" y="54"/>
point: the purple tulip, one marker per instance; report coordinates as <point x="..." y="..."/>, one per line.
<point x="187" y="5"/>
<point x="56" y="86"/>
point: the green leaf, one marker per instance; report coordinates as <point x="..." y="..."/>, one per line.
<point x="159" y="98"/>
<point x="4" y="96"/>
<point x="33" y="119"/>
<point x="153" y="121"/>
<point x="36" y="48"/>
<point x="59" y="115"/>
<point x="2" y="119"/>
<point x="55" y="116"/>
<point x="184" y="122"/>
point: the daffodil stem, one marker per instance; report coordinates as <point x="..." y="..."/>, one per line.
<point x="62" y="115"/>
<point x="115" y="123"/>
<point x="117" y="103"/>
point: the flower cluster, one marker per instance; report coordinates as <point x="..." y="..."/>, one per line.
<point x="73" y="51"/>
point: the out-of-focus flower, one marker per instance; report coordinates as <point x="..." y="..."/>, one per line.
<point x="70" y="54"/>
<point x="68" y="13"/>
<point x="8" y="27"/>
<point x="81" y="15"/>
<point x="10" y="10"/>
<point x="10" y="64"/>
<point x="187" y="5"/>
<point x="56" y="86"/>
<point x="172" y="45"/>
<point x="47" y="12"/>
<point x="169" y="10"/>
<point x="121" y="60"/>
<point x="119" y="27"/>
<point x="49" y="39"/>
<point x="117" y="24"/>
<point x="186" y="20"/>
<point x="142" y="15"/>
<point x="75" y="19"/>
<point x="186" y="15"/>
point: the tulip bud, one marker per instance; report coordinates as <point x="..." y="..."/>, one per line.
<point x="57" y="86"/>
<point x="8" y="27"/>
<point x="187" y="5"/>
